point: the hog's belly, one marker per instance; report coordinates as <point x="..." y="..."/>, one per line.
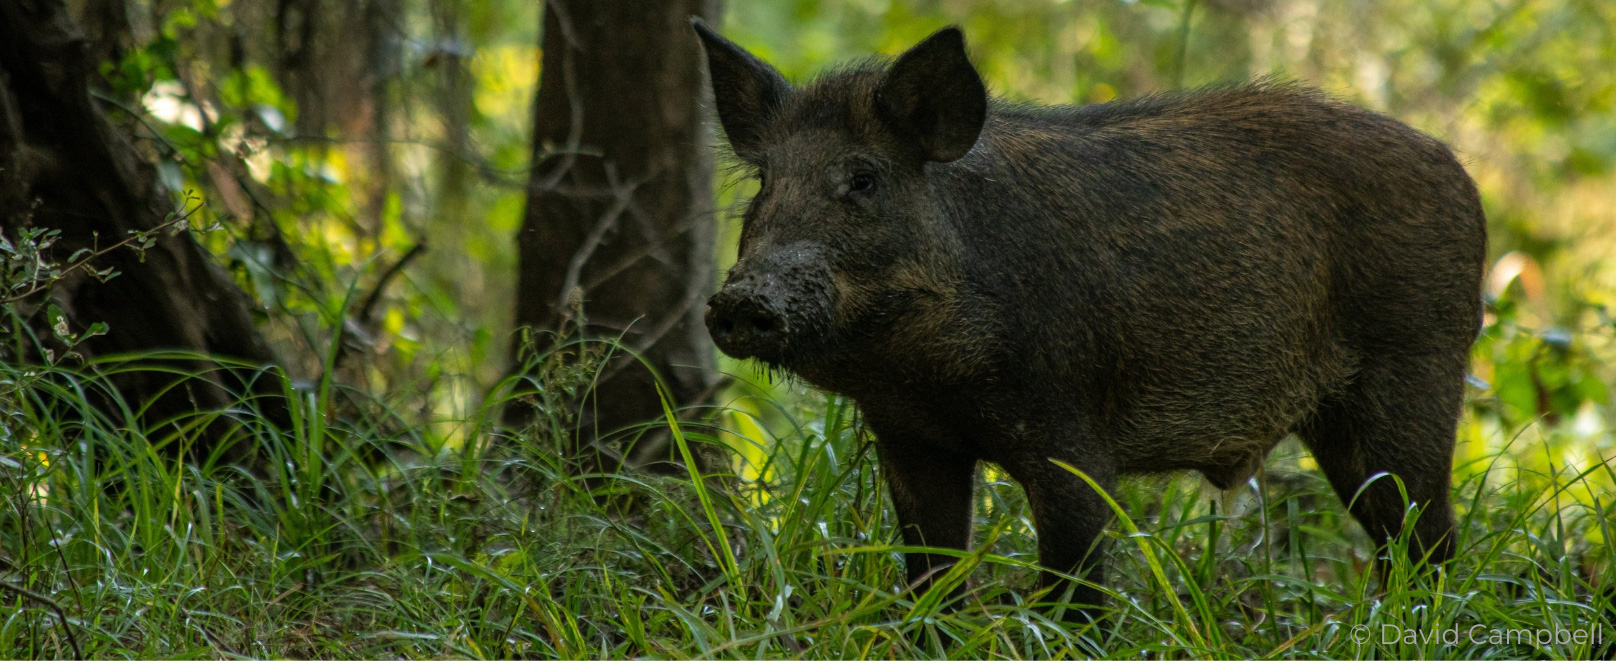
<point x="1220" y="410"/>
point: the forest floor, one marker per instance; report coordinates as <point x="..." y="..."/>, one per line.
<point x="368" y="537"/>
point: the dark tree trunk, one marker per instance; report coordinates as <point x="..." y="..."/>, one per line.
<point x="297" y="43"/>
<point x="620" y="204"/>
<point x="106" y="25"/>
<point x="64" y="165"/>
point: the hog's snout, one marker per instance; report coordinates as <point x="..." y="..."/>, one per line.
<point x="771" y="304"/>
<point x="746" y="318"/>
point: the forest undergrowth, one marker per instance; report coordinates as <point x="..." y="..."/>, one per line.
<point x="363" y="532"/>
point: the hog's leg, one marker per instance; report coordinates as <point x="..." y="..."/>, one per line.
<point x="1070" y="518"/>
<point x="1399" y="415"/>
<point x="931" y="491"/>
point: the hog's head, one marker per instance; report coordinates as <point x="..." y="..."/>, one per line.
<point x="846" y="250"/>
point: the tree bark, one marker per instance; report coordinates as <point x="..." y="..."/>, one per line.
<point x="620" y="205"/>
<point x="64" y="165"/>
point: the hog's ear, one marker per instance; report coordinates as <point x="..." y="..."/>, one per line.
<point x="746" y="89"/>
<point x="934" y="94"/>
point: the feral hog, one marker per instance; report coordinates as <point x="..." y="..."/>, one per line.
<point x="1171" y="283"/>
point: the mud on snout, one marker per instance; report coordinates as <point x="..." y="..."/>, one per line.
<point x="775" y="307"/>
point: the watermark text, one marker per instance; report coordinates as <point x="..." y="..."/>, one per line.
<point x="1393" y="634"/>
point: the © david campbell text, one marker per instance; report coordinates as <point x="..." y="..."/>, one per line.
<point x="1482" y="634"/>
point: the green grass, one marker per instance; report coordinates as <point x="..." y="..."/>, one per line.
<point x="366" y="536"/>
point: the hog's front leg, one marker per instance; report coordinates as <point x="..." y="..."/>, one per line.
<point x="931" y="492"/>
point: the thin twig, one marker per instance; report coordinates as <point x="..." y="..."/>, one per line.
<point x="78" y="592"/>
<point x="375" y="295"/>
<point x="139" y="116"/>
<point x="596" y="236"/>
<point x="367" y="308"/>
<point x="569" y="80"/>
<point x="630" y="259"/>
<point x="283" y="251"/>
<point x="46" y="600"/>
<point x="134" y="236"/>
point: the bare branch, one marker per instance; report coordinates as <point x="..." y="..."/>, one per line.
<point x="47" y="602"/>
<point x="624" y="194"/>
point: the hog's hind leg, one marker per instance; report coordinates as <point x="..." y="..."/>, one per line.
<point x="1398" y="415"/>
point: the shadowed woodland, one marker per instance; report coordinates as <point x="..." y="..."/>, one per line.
<point x="374" y="328"/>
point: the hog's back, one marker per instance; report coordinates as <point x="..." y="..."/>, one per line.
<point x="1201" y="270"/>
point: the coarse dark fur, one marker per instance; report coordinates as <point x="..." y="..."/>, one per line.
<point x="1171" y="283"/>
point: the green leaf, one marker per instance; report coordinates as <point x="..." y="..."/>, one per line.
<point x="58" y="322"/>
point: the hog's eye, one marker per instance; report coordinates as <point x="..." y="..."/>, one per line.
<point x="861" y="181"/>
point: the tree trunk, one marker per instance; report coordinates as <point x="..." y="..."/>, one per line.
<point x="297" y="43"/>
<point x="64" y="165"/>
<point x="620" y="205"/>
